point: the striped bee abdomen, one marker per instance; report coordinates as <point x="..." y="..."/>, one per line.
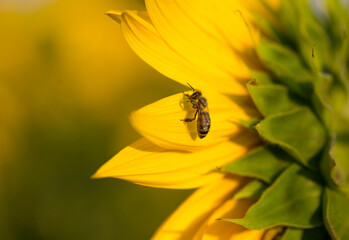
<point x="203" y="123"/>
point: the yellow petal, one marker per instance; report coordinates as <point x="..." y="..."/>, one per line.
<point x="205" y="25"/>
<point x="207" y="32"/>
<point x="273" y="233"/>
<point x="214" y="229"/>
<point x="188" y="183"/>
<point x="145" y="163"/>
<point x="146" y="41"/>
<point x="187" y="219"/>
<point x="161" y="121"/>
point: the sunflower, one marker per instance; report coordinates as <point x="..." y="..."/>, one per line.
<point x="274" y="74"/>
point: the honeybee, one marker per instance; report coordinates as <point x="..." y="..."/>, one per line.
<point x="199" y="103"/>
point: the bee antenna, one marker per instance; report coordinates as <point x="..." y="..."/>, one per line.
<point x="191" y="87"/>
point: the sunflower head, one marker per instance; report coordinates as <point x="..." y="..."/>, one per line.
<point x="266" y="136"/>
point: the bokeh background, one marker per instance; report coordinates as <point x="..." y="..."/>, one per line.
<point x="68" y="82"/>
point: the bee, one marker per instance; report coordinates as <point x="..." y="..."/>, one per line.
<point x="199" y="103"/>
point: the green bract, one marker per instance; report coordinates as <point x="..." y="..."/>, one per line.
<point x="302" y="171"/>
<point x="264" y="163"/>
<point x="253" y="189"/>
<point x="294" y="200"/>
<point x="297" y="131"/>
<point x="335" y="210"/>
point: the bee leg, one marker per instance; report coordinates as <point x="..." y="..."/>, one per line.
<point x="195" y="105"/>
<point x="185" y="94"/>
<point x="191" y="119"/>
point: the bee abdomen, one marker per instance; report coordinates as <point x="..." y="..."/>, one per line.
<point x="203" y="123"/>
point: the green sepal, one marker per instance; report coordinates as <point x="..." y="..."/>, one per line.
<point x="287" y="66"/>
<point x="273" y="98"/>
<point x="332" y="173"/>
<point x="261" y="78"/>
<point x="335" y="213"/>
<point x="269" y="29"/>
<point x="293" y="200"/>
<point x="341" y="153"/>
<point x="298" y="132"/>
<point x="338" y="28"/>
<point x="253" y="189"/>
<point x="320" y="98"/>
<point x="328" y="166"/>
<point x="311" y="34"/>
<point x="249" y="123"/>
<point x="306" y="234"/>
<point x="264" y="163"/>
<point x="303" y="31"/>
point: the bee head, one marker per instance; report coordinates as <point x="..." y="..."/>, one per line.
<point x="196" y="94"/>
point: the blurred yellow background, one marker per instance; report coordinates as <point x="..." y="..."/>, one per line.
<point x="68" y="82"/>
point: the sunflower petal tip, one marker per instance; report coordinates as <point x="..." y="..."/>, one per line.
<point x="100" y="173"/>
<point x="131" y="117"/>
<point x="134" y="119"/>
<point x="95" y="176"/>
<point x="115" y="15"/>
